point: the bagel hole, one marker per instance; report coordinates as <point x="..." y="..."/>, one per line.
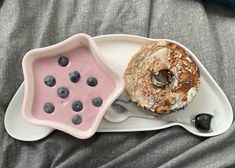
<point x="162" y="78"/>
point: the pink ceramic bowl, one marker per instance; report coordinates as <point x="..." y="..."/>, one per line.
<point x="68" y="86"/>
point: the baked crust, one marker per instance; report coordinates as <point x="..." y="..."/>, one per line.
<point x="162" y="97"/>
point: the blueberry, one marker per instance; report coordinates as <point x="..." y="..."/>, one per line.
<point x="77" y="119"/>
<point x="92" y="81"/>
<point x="203" y="122"/>
<point x="62" y="92"/>
<point x="77" y="106"/>
<point x="49" y="81"/>
<point x="63" y="61"/>
<point x="74" y="76"/>
<point x="97" y="102"/>
<point x="48" y="107"/>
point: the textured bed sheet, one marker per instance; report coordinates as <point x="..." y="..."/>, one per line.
<point x="204" y="27"/>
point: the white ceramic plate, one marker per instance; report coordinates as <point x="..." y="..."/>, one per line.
<point x="17" y="126"/>
<point x="118" y="50"/>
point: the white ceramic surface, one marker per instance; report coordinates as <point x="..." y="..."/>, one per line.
<point x="17" y="126"/>
<point x="118" y="50"/>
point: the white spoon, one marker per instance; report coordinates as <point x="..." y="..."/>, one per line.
<point x="120" y="111"/>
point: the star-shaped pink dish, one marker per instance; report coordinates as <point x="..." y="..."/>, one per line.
<point x="68" y="86"/>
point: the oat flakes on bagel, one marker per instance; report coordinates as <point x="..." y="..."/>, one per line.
<point x="162" y="77"/>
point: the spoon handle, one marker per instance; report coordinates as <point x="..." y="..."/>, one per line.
<point x="140" y="115"/>
<point x="178" y="120"/>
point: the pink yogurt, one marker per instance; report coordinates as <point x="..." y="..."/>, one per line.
<point x="81" y="60"/>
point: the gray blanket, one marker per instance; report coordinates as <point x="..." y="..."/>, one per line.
<point x="204" y="27"/>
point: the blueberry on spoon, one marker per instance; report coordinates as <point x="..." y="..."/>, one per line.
<point x="203" y="122"/>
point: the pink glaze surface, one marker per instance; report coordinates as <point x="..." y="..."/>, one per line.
<point x="81" y="60"/>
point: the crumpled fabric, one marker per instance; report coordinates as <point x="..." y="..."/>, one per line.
<point x="206" y="28"/>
